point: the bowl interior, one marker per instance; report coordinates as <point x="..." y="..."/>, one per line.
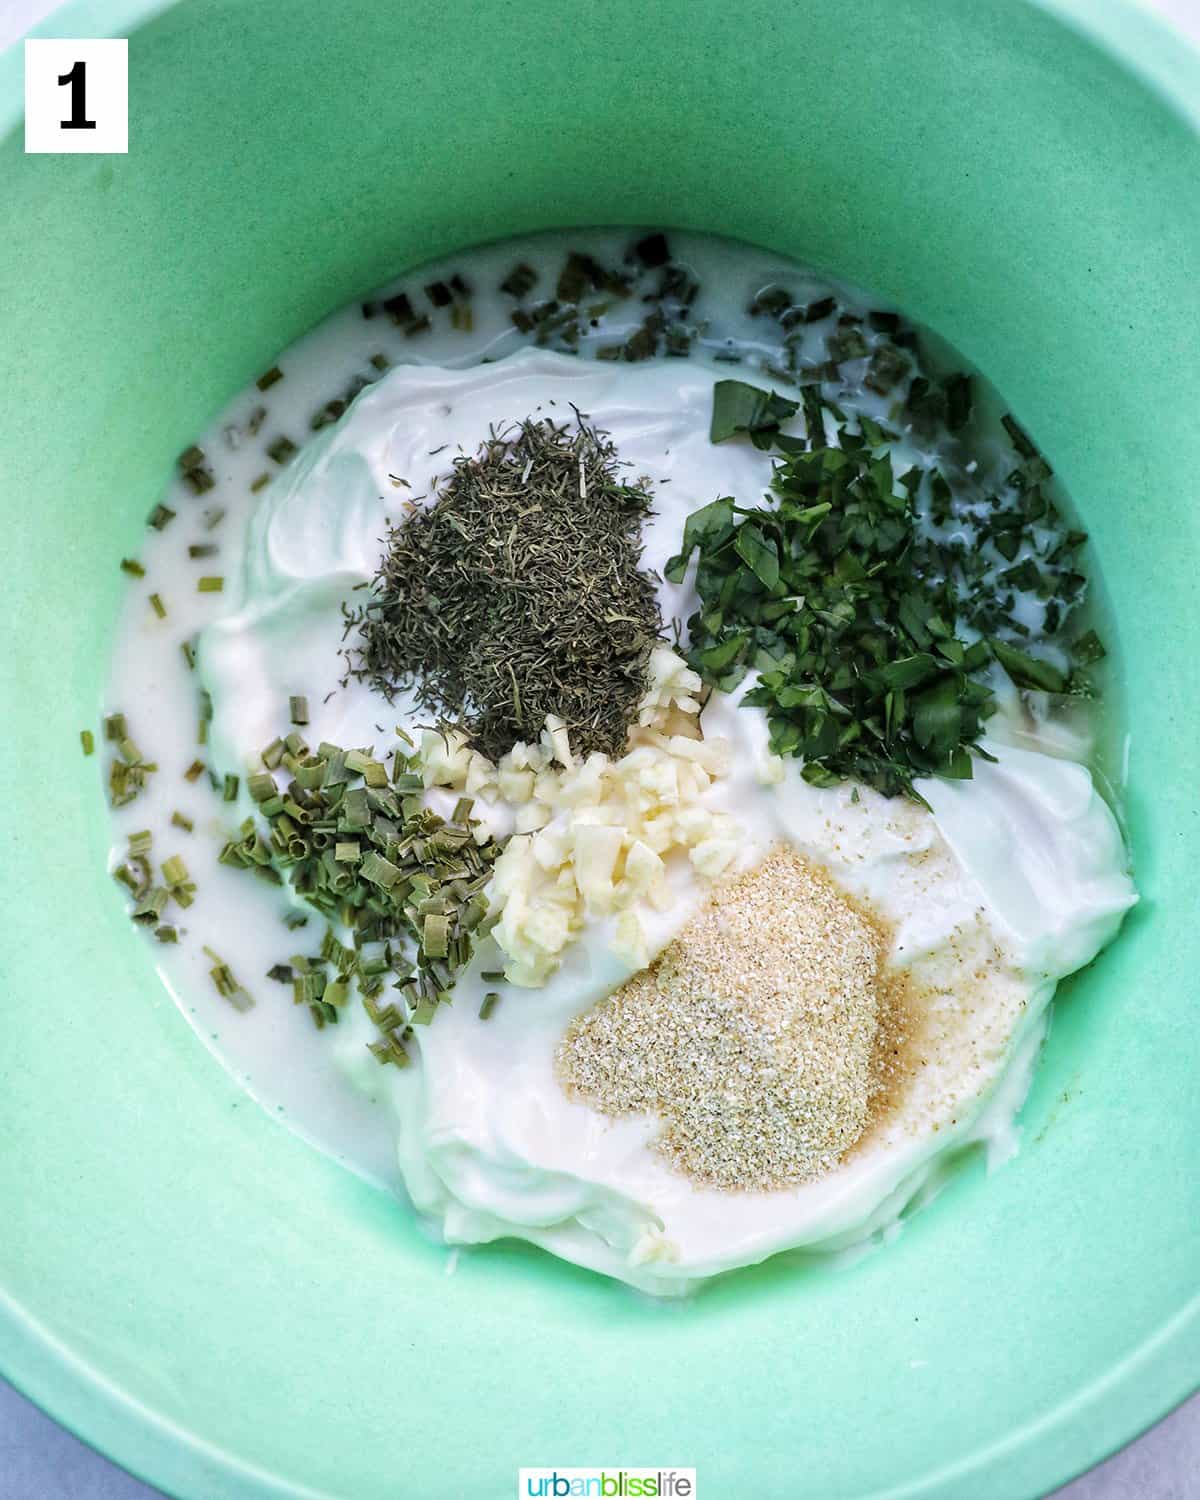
<point x="193" y="1287"/>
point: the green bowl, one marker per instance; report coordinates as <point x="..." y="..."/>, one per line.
<point x="187" y="1284"/>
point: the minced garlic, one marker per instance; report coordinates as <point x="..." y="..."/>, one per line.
<point x="592" y="835"/>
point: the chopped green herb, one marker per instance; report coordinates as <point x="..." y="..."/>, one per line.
<point x="1029" y="671"/>
<point x="847" y="610"/>
<point x="88" y="740"/>
<point x="260" y="483"/>
<point x="157" y="605"/>
<point x="194" y="771"/>
<point x="1088" y="649"/>
<point x="738" y="407"/>
<point x="180" y="820"/>
<point x="490" y="1002"/>
<point x="161" y="517"/>
<point x="131" y="566"/>
<point x="229" y="790"/>
<point x="272" y="377"/>
<point x="210" y="584"/>
<point x="203" y="549"/>
<point x="298" y="708"/>
<point x="282" y="450"/>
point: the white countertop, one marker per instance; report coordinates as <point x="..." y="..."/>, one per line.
<point x="41" y="1461"/>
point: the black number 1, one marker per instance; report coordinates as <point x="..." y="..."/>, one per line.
<point x="77" y="78"/>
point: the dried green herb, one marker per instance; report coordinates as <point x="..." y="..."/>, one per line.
<point x="88" y="740"/>
<point x="519" y="593"/>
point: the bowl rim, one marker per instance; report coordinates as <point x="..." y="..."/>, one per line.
<point x="1102" y="1417"/>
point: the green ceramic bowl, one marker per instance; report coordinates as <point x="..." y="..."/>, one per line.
<point x="188" y="1285"/>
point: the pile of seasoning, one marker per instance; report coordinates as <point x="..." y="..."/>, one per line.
<point x="520" y="593"/>
<point x="753" y="1036"/>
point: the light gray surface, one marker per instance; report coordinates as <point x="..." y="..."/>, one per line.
<point x="41" y="1461"/>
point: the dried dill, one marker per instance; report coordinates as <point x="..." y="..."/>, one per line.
<point x="520" y="593"/>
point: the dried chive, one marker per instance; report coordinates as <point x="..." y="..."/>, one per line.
<point x="229" y="789"/>
<point x="189" y="654"/>
<point x="652" y="250"/>
<point x="131" y="566"/>
<point x="210" y="584"/>
<point x="298" y="709"/>
<point x="490" y="1002"/>
<point x="520" y="281"/>
<point x="199" y="481"/>
<point x="272" y="377"/>
<point x="161" y="517"/>
<point x="367" y="853"/>
<point x="194" y="771"/>
<point x="203" y="549"/>
<point x="191" y="458"/>
<point x="260" y="483"/>
<point x="151" y="906"/>
<point x="400" y="309"/>
<point x="282" y="450"/>
<point x="180" y="820"/>
<point x="88" y="741"/>
<point x="157" y="605"/>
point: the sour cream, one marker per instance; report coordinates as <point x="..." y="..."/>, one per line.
<point x="1014" y="879"/>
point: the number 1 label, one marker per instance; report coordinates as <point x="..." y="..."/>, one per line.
<point x="76" y="95"/>
<point x="77" y="78"/>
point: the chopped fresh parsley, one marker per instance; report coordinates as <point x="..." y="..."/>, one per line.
<point x="870" y="635"/>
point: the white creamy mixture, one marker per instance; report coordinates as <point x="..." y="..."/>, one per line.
<point x="1015" y="879"/>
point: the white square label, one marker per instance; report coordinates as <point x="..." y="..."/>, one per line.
<point x="77" y="95"/>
